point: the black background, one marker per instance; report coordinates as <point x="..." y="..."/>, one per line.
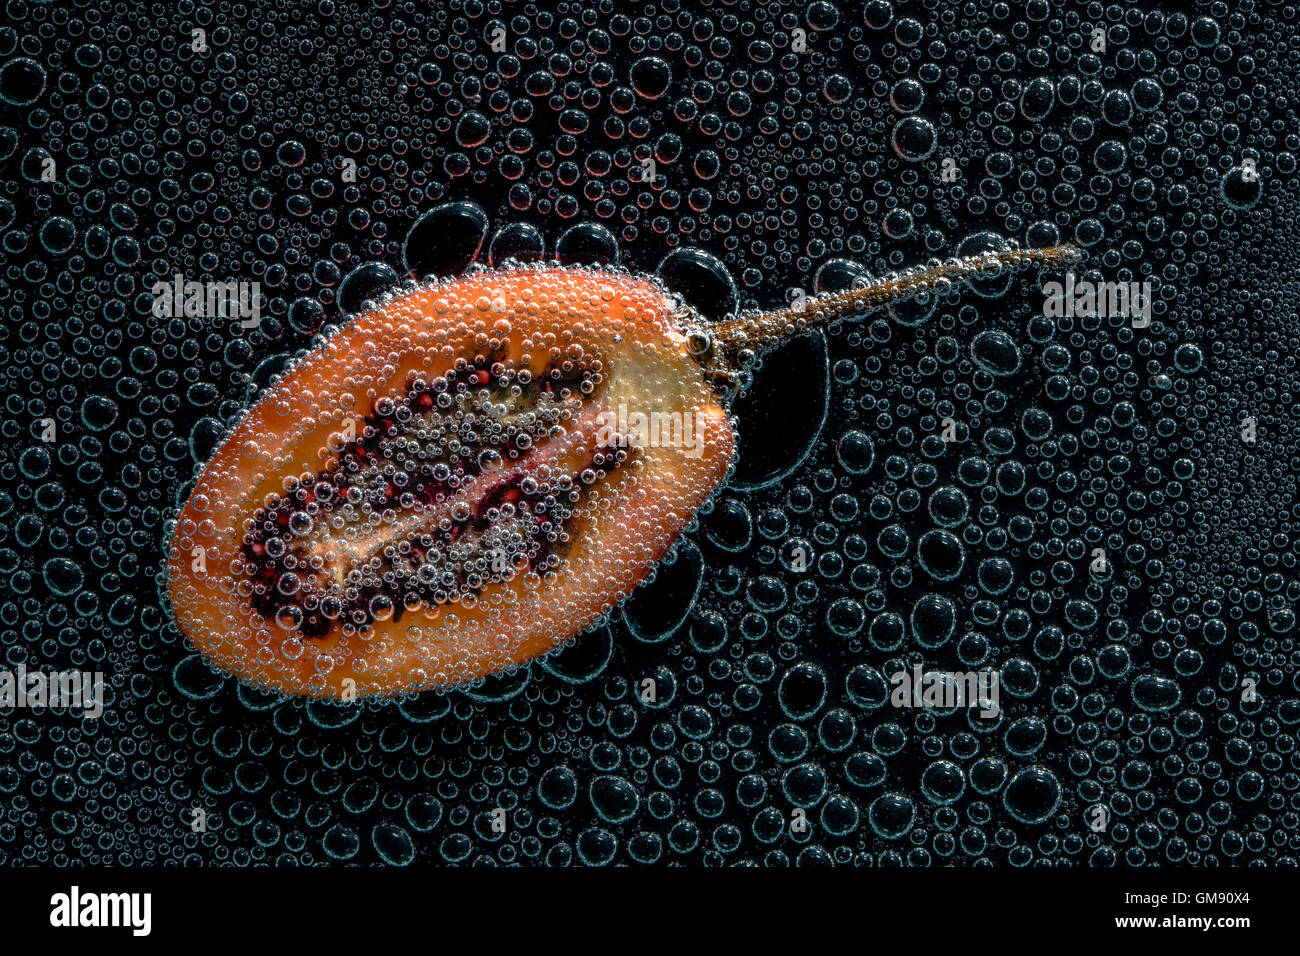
<point x="227" y="164"/>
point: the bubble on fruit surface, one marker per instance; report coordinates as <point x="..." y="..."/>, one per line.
<point x="1113" y="547"/>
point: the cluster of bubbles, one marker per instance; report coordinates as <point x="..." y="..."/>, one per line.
<point x="737" y="708"/>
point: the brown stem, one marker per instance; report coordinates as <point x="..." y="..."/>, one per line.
<point x="730" y="346"/>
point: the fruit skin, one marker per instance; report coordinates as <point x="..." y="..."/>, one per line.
<point x="631" y="518"/>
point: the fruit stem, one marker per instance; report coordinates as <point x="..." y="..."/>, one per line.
<point x="734" y="344"/>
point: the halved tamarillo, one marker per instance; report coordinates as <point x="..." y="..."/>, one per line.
<point x="473" y="472"/>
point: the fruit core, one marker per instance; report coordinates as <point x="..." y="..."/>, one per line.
<point x="464" y="481"/>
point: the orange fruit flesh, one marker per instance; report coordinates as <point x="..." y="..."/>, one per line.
<point x="624" y="520"/>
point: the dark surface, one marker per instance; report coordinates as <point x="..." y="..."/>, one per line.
<point x="1123" y="689"/>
